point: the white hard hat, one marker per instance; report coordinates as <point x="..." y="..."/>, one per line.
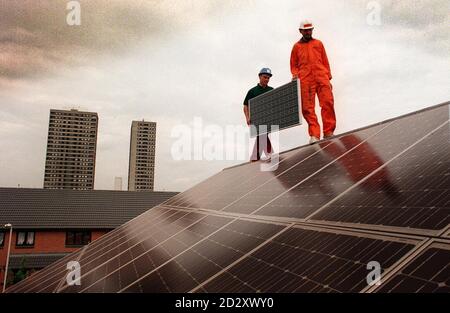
<point x="306" y="24"/>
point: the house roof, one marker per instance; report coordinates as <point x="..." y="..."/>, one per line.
<point x="64" y="208"/>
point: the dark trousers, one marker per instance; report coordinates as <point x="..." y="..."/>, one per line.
<point x="262" y="144"/>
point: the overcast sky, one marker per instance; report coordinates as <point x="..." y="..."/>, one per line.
<point x="173" y="61"/>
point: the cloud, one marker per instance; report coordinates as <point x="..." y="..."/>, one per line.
<point x="419" y="23"/>
<point x="35" y="39"/>
<point x="417" y="14"/>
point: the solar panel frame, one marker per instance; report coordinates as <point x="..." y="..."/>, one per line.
<point x="446" y="234"/>
<point x="293" y="113"/>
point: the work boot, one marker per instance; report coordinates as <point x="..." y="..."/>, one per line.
<point x="267" y="158"/>
<point x="313" y="140"/>
<point x="328" y="136"/>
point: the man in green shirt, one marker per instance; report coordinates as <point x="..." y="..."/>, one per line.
<point x="262" y="142"/>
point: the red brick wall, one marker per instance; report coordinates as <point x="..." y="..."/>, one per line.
<point x="45" y="241"/>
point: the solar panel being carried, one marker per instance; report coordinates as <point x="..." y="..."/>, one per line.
<point x="278" y="107"/>
<point x="377" y="195"/>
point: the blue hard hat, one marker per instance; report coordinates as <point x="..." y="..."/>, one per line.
<point x="265" y="70"/>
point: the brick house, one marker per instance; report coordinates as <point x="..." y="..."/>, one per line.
<point x="49" y="224"/>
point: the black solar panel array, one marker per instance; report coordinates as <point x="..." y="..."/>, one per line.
<point x="380" y="194"/>
<point x="306" y="260"/>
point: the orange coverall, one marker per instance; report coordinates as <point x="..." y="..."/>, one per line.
<point x="309" y="62"/>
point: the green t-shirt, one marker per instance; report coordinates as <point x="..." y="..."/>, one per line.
<point x="256" y="91"/>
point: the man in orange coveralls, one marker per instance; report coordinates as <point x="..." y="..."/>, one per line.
<point x="309" y="62"/>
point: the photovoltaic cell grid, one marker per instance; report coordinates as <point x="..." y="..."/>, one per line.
<point x="179" y="247"/>
<point x="48" y="279"/>
<point x="206" y="258"/>
<point x="234" y="190"/>
<point x="36" y="282"/>
<point x="411" y="191"/>
<point x="150" y="258"/>
<point x="218" y="183"/>
<point x="222" y="189"/>
<point x="250" y="185"/>
<point x="109" y="271"/>
<point x="365" y="157"/>
<point x="278" y="107"/>
<point x="357" y="158"/>
<point x="304" y="260"/>
<point x="428" y="272"/>
<point x="268" y="195"/>
<point x="119" y="253"/>
<point x="344" y="162"/>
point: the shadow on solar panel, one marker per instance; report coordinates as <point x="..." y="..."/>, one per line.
<point x="366" y="211"/>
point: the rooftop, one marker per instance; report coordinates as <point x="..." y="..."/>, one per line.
<point x="64" y="208"/>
